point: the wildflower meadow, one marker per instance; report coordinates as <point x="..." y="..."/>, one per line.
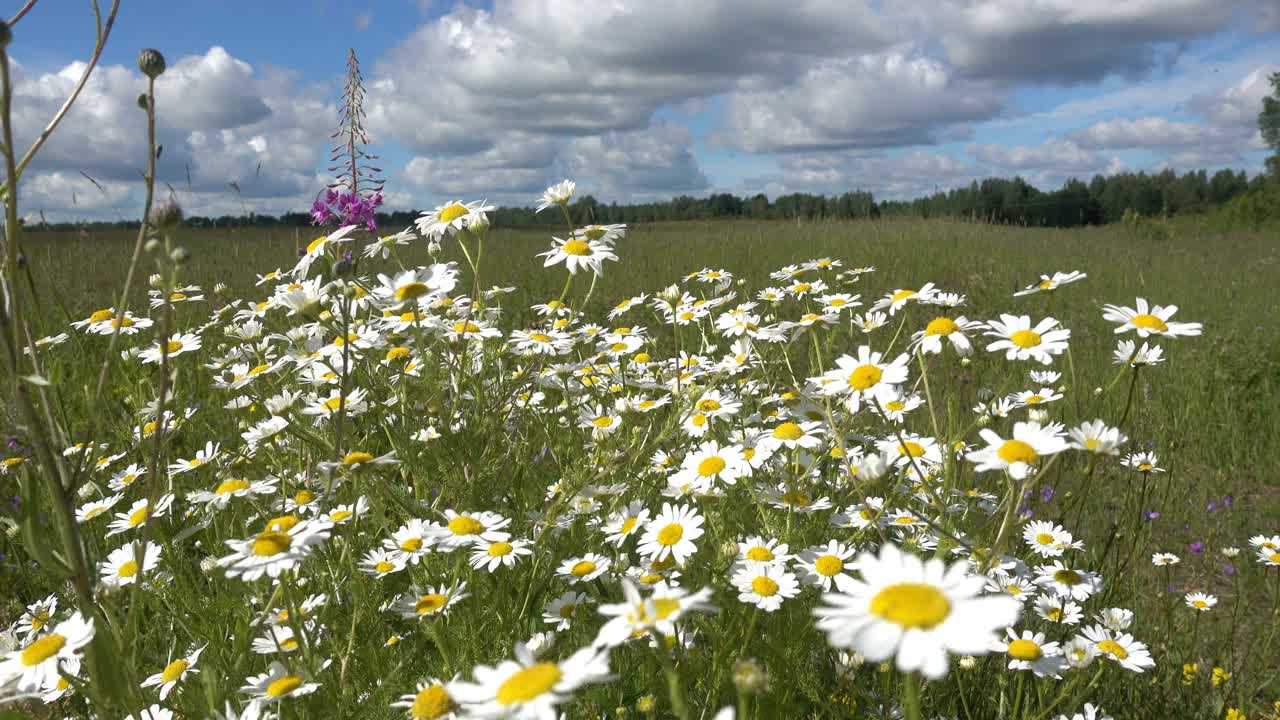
<point x="453" y="471"/>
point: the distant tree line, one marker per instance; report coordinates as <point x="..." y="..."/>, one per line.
<point x="1104" y="199"/>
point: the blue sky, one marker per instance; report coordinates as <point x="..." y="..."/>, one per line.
<point x="642" y="99"/>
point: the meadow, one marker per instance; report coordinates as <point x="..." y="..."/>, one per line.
<point x="368" y="527"/>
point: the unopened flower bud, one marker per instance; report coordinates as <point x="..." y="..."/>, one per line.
<point x="155" y="280"/>
<point x="84" y="491"/>
<point x="209" y="565"/>
<point x="151" y="63"/>
<point x="1037" y="415"/>
<point x="965" y="362"/>
<point x="647" y="704"/>
<point x="180" y="255"/>
<point x="165" y="215"/>
<point x="143" y="101"/>
<point x="967" y="662"/>
<point x="12" y="531"/>
<point x="1097" y="391"/>
<point x="433" y="248"/>
<point x="749" y="677"/>
<point x="221" y="289"/>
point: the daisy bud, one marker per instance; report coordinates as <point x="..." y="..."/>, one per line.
<point x="165" y="215"/>
<point x="1037" y="415"/>
<point x="155" y="280"/>
<point x="749" y="677"/>
<point x="647" y="704"/>
<point x="152" y="245"/>
<point x="671" y="293"/>
<point x="209" y="566"/>
<point x="885" y="667"/>
<point x="729" y="550"/>
<point x="984" y="420"/>
<point x="968" y="662"/>
<point x="12" y="531"/>
<point x="220" y="289"/>
<point x="143" y="101"/>
<point x="433" y="248"/>
<point x="1097" y="391"/>
<point x="180" y="255"/>
<point x="965" y="362"/>
<point x="84" y="491"/>
<point x="151" y="63"/>
<point x="1230" y="552"/>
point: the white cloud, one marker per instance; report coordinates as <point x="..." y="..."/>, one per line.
<point x="654" y="162"/>
<point x="891" y="177"/>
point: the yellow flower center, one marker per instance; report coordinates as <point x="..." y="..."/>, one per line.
<point x="465" y="525"/>
<point x="332" y="404"/>
<point x="356" y="458"/>
<point x="628" y="525"/>
<point x="911" y="448"/>
<point x="1092" y="443"/>
<point x="384" y="567"/>
<point x="431" y="703"/>
<point x="128" y="569"/>
<point x="316" y="244"/>
<point x="1068" y="577"/>
<point x="1027" y="650"/>
<point x="122" y="322"/>
<point x="1025" y="338"/>
<point x="764" y="586"/>
<point x="582" y="568"/>
<point x="708" y="405"/>
<point x="139" y="516"/>
<point x="430" y="603"/>
<point x="828" y="565"/>
<point x="1015" y="451"/>
<point x="340" y="515"/>
<point x="101" y="316"/>
<point x="398" y="353"/>
<point x="177" y="296"/>
<point x="1033" y="399"/>
<point x="284" y="686"/>
<point x="304" y="497"/>
<point x="1114" y="649"/>
<point x="271" y="542"/>
<point x="173" y="346"/>
<point x="788" y="431"/>
<point x="43" y="649"/>
<point x="941" y="326"/>
<point x="902" y="295"/>
<point x="529" y="683"/>
<point x="174" y="670"/>
<point x="453" y="212"/>
<point x="864" y="377"/>
<point x="711" y="466"/>
<point x="411" y="290"/>
<point x="895" y="405"/>
<point x="603" y="422"/>
<point x="1044" y="539"/>
<point x="500" y="549"/>
<point x="670" y="535"/>
<point x="465" y="327"/>
<point x="576" y="247"/>
<point x="1147" y="321"/>
<point x="226" y="487"/>
<point x="283" y="523"/>
<point x="911" y="605"/>
<point x="1200" y="603"/>
<point x="759" y="553"/>
<point x="795" y="497"/>
<point x="801" y="288"/>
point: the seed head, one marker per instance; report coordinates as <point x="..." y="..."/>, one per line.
<point x="151" y="63"/>
<point x="165" y="215"/>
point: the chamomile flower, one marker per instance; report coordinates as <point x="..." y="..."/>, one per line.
<point x="1050" y="283"/>
<point x="1090" y="712"/>
<point x="1128" y="353"/>
<point x="412" y="541"/>
<point x="583" y="569"/>
<point x="863" y="376"/>
<point x="765" y="585"/>
<point x="528" y="687"/>
<point x="625" y="522"/>
<point x="898" y="299"/>
<point x="469" y="528"/>
<point x="430" y="700"/>
<point x="671" y="533"/>
<point x="96" y="508"/>
<point x="562" y="610"/>
<point x="498" y="552"/>
<point x="139" y="514"/>
<point x="421" y="603"/>
<point x="711" y="462"/>
<point x="1068" y="582"/>
<point x="1020" y="340"/>
<point x="577" y="253"/>
<point x="1020" y="454"/>
<point x="915" y="611"/>
<point x="1143" y="462"/>
<point x="659" y="612"/>
<point x="953" y="330"/>
<point x="277" y="684"/>
<point x="175" y="672"/>
<point x="448" y="219"/>
<point x="177" y="344"/>
<point x="557" y="194"/>
<point x="1147" y="320"/>
<point x="1058" y="610"/>
<point x="1046" y="539"/>
<point x="129" y="564"/>
<point x="35" y="665"/>
<point x="279" y="548"/>
<point x="1097" y="437"/>
<point x="1200" y="601"/>
<point x="1120" y="647"/>
<point x="806" y="435"/>
<point x="1029" y="651"/>
<point x="36" y="618"/>
<point x="825" y="565"/>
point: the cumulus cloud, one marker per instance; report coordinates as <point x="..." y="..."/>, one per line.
<point x="220" y="120"/>
<point x="653" y="162"/>
<point x="894" y="177"/>
<point x="1076" y="41"/>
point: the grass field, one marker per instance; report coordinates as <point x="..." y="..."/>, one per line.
<point x="1211" y="412"/>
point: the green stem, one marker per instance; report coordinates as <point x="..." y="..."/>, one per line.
<point x="911" y="696"/>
